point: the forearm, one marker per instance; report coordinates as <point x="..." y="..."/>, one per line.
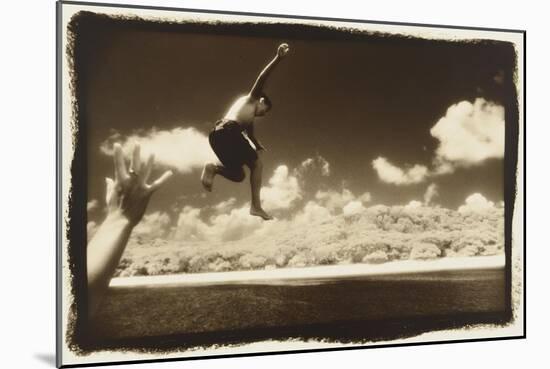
<point x="257" y="143"/>
<point x="270" y="66"/>
<point x="249" y="134"/>
<point x="103" y="255"/>
<point x="264" y="74"/>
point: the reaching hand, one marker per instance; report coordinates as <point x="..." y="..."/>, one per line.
<point x="129" y="193"/>
<point x="282" y="50"/>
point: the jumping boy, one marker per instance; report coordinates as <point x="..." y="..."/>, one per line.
<point x="234" y="143"/>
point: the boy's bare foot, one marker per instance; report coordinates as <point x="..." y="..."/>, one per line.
<point x="207" y="176"/>
<point x="259" y="212"/>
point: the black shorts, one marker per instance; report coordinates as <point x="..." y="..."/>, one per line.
<point x="230" y="146"/>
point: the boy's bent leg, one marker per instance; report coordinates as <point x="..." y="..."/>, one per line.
<point x="207" y="176"/>
<point x="235" y="174"/>
<point x="255" y="187"/>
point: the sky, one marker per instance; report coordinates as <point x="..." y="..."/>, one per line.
<point x="357" y="120"/>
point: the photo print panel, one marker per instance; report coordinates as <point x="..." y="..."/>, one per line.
<point x="241" y="184"/>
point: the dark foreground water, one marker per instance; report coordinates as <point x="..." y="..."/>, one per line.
<point x="372" y="308"/>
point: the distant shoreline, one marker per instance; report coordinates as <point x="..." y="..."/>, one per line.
<point x="316" y="272"/>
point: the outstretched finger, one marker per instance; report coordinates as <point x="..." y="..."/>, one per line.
<point x="110" y="187"/>
<point x="159" y="182"/>
<point x="120" y="166"/>
<point x="135" y="164"/>
<point x="146" y="172"/>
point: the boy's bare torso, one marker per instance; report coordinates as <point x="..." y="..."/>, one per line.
<point x="242" y="111"/>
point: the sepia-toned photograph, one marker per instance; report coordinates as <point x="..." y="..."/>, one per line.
<point x="239" y="184"/>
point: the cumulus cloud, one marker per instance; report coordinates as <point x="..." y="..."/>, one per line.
<point x="310" y="164"/>
<point x="334" y="200"/>
<point x="352" y="208"/>
<point x="470" y="133"/>
<point x="190" y="226"/>
<point x="476" y="203"/>
<point x="366" y="197"/>
<point x="226" y="222"/>
<point x="391" y="173"/>
<point x="153" y="225"/>
<point x="233" y="226"/>
<point x="282" y="190"/>
<point x="311" y="213"/>
<point x="225" y="205"/>
<point x="414" y="204"/>
<point x="431" y="193"/>
<point x="231" y="223"/>
<point x="237" y="224"/>
<point x="183" y="149"/>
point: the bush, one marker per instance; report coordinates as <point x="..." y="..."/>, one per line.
<point x="219" y="265"/>
<point x="425" y="251"/>
<point x="378" y="234"/>
<point x="376" y="257"/>
<point x="249" y="261"/>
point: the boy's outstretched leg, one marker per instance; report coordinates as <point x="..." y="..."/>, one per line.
<point x="256" y="186"/>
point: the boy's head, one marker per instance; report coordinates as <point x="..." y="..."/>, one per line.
<point x="263" y="105"/>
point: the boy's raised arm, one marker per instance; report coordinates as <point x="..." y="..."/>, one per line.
<point x="260" y="81"/>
